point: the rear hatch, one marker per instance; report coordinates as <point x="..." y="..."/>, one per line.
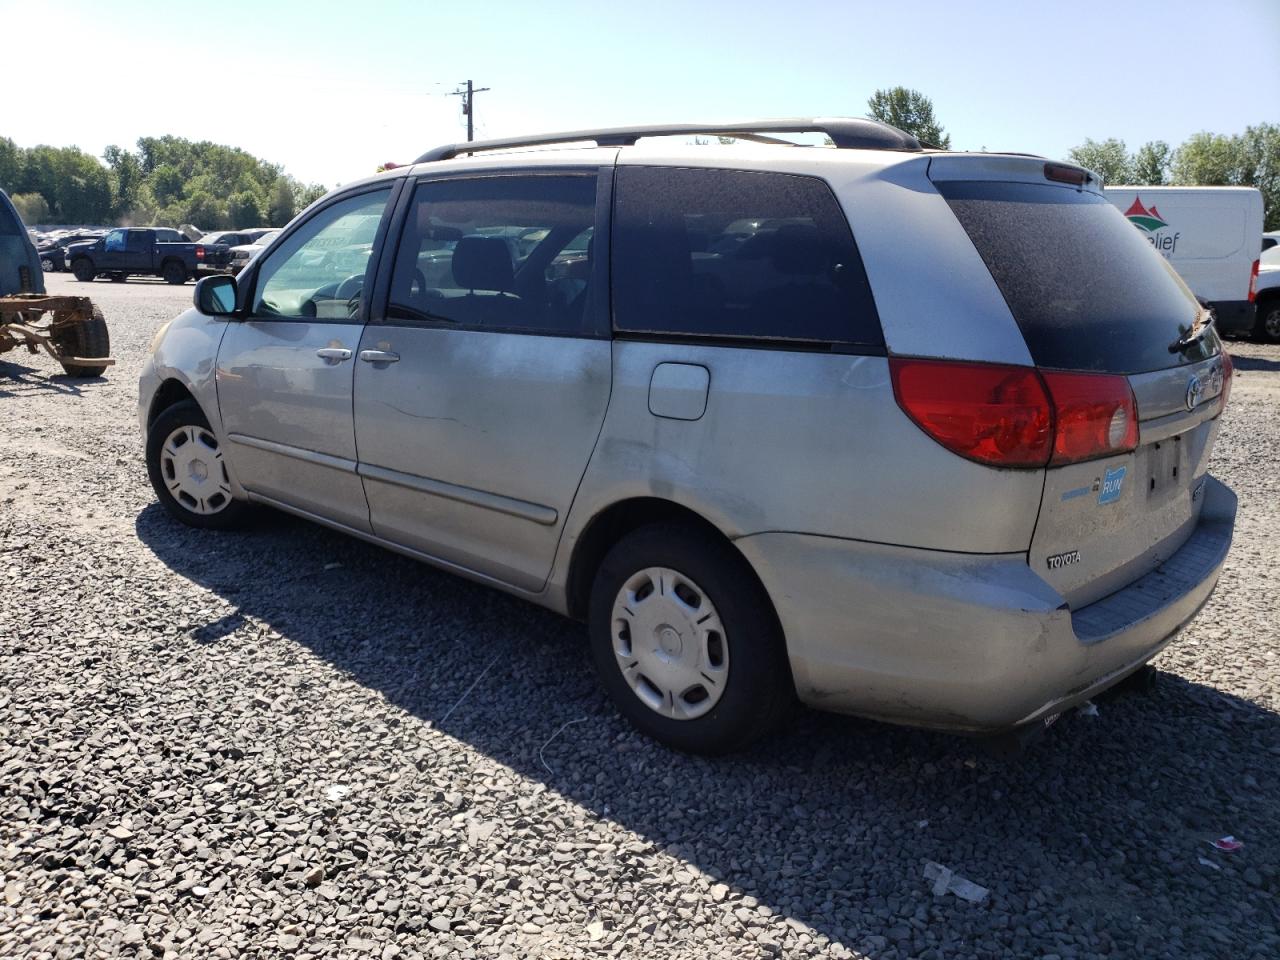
<point x="1091" y="296"/>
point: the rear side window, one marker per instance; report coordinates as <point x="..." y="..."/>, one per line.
<point x="1087" y="290"/>
<point x="498" y="253"/>
<point x="737" y="255"/>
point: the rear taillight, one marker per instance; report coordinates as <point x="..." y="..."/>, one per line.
<point x="1253" y="281"/>
<point x="199" y="253"/>
<point x="1095" y="415"/>
<point x="992" y="414"/>
<point x="1010" y="416"/>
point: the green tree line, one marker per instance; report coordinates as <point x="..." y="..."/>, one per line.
<point x="167" y="181"/>
<point x="1249" y="159"/>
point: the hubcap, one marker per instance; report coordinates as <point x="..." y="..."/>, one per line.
<point x="669" y="643"/>
<point x="192" y="467"/>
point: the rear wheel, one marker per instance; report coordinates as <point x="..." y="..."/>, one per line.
<point x="1267" y="326"/>
<point x="83" y="270"/>
<point x="84" y="340"/>
<point x="187" y="470"/>
<point x="686" y="642"/>
<point x="46" y="264"/>
<point x="174" y="272"/>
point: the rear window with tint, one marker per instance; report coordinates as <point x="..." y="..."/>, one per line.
<point x="1087" y="290"/>
<point x="737" y="255"/>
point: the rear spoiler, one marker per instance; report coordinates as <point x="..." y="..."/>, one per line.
<point x="1012" y="168"/>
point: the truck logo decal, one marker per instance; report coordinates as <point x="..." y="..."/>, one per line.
<point x="1112" y="483"/>
<point x="1145" y="218"/>
<point x="1059" y="560"/>
<point x="1151" y="222"/>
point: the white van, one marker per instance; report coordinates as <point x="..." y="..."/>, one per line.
<point x="1211" y="235"/>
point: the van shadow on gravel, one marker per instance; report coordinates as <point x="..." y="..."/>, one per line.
<point x="1246" y="362"/>
<point x="1098" y="829"/>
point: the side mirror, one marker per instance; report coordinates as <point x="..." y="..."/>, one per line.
<point x="216" y="296"/>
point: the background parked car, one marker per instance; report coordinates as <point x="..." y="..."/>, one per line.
<point x="53" y="249"/>
<point x="1267" y="296"/>
<point x="243" y="253"/>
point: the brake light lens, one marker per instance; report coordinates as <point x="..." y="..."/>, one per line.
<point x="998" y="415"/>
<point x="1095" y="415"/>
<point x="1010" y="416"/>
<point x="1062" y="173"/>
<point x="199" y="253"/>
<point x="1253" y="281"/>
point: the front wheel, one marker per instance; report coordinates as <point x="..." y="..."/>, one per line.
<point x="174" y="272"/>
<point x="46" y="264"/>
<point x="686" y="642"/>
<point x="188" y="472"/>
<point x="1267" y="326"/>
<point x="83" y="270"/>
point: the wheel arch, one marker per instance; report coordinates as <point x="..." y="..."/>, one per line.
<point x="170" y="392"/>
<point x="613" y="523"/>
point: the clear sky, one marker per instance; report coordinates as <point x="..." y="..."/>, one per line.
<point x="330" y="90"/>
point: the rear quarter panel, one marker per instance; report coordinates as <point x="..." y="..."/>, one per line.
<point x="799" y="442"/>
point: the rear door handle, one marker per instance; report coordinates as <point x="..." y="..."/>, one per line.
<point x="379" y="356"/>
<point x="336" y="354"/>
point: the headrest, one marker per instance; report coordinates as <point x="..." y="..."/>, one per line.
<point x="483" y="263"/>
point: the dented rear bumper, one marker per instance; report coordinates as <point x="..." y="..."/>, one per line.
<point x="970" y="642"/>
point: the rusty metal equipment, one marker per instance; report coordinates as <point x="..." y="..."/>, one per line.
<point x="70" y="329"/>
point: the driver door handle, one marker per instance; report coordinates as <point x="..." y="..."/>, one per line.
<point x="335" y="354"/>
<point x="379" y="356"/>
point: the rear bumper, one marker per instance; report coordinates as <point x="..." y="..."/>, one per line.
<point x="1234" y="316"/>
<point x="970" y="642"/>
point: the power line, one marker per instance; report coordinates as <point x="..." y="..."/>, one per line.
<point x="468" y="107"/>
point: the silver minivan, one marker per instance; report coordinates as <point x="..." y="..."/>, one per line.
<point x="917" y="435"/>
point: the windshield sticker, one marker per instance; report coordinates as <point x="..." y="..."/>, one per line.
<point x="1112" y="482"/>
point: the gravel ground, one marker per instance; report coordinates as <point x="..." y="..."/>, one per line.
<point x="286" y="742"/>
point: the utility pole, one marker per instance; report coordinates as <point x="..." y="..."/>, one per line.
<point x="468" y="108"/>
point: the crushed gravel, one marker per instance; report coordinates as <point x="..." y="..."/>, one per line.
<point x="287" y="743"/>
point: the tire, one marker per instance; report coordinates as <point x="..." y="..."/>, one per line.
<point x="174" y="272"/>
<point x="83" y="270"/>
<point x="1266" y="328"/>
<point x="181" y="495"/>
<point x="47" y="265"/>
<point x="84" y="340"/>
<point x="748" y="688"/>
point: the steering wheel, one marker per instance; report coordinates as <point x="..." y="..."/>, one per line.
<point x="350" y="287"/>
<point x="350" y="290"/>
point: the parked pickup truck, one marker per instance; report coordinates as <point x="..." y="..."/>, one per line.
<point x="155" y="252"/>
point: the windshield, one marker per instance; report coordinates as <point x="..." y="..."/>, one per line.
<point x="1086" y="289"/>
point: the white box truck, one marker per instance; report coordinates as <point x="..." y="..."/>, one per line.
<point x="1211" y="235"/>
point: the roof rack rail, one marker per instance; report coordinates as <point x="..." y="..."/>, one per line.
<point x="857" y="133"/>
